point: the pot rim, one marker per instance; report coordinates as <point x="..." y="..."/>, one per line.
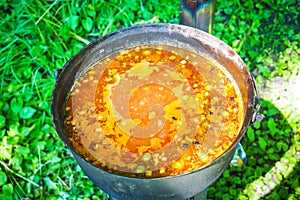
<point x="182" y="29"/>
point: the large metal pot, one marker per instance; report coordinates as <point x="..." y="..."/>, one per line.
<point x="173" y="187"/>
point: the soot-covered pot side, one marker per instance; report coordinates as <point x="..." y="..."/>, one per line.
<point x="173" y="187"/>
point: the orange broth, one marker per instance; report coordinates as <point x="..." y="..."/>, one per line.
<point x="153" y="111"/>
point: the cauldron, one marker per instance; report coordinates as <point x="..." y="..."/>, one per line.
<point x="181" y="186"/>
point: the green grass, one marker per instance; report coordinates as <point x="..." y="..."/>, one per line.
<point x="39" y="36"/>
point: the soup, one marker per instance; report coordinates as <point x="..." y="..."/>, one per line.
<point x="153" y="111"/>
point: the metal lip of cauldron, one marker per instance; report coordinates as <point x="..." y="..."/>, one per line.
<point x="182" y="186"/>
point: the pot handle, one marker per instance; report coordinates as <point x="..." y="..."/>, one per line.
<point x="240" y="157"/>
<point x="256" y="115"/>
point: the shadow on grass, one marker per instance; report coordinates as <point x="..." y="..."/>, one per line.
<point x="271" y="170"/>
